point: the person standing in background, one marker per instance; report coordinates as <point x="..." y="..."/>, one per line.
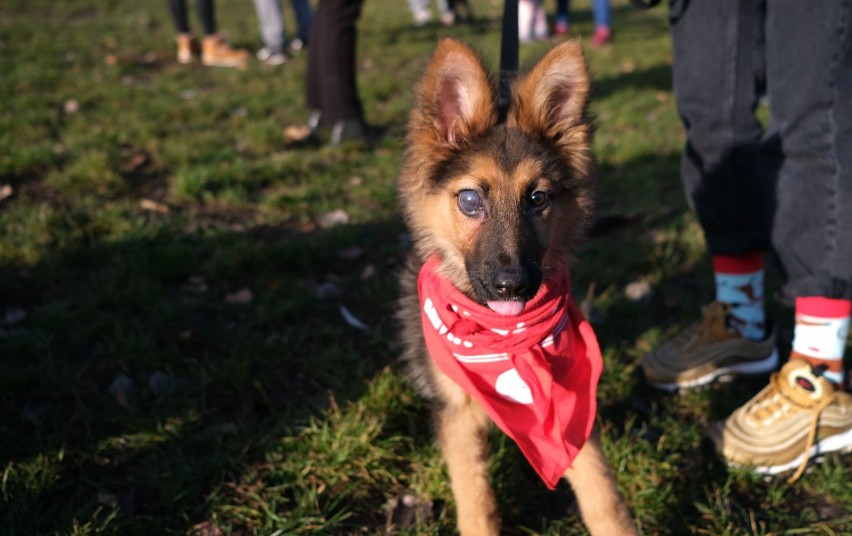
<point x="602" y="13"/>
<point x="270" y="17"/>
<point x="213" y="49"/>
<point x="331" y="92"/>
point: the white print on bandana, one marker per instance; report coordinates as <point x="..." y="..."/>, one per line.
<point x="512" y="386"/>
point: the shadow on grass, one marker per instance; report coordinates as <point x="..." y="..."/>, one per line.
<point x="153" y="372"/>
<point x="149" y="371"/>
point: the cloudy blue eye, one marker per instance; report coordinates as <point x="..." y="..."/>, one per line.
<point x="539" y="200"/>
<point x="470" y="202"/>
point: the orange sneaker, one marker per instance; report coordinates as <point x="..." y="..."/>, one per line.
<point x="216" y="52"/>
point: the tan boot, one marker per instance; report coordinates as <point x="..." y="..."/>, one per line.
<point x="216" y="52"/>
<point x="188" y="48"/>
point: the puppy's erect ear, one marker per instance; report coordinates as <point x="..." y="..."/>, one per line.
<point x="454" y="97"/>
<point x="550" y="102"/>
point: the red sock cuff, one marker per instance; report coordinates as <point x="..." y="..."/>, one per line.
<point x="823" y="307"/>
<point x="741" y="264"/>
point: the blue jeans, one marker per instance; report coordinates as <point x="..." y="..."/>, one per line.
<point x="271" y="19"/>
<point x="601" y="12"/>
<point x="788" y="186"/>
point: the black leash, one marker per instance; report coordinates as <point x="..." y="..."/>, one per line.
<point x="644" y="4"/>
<point x="508" y="54"/>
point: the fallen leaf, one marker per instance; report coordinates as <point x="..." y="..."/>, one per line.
<point x="135" y="162"/>
<point x="71" y="106"/>
<point x="296" y="133"/>
<point x="111" y="59"/>
<point x="333" y="218"/>
<point x="352" y="320"/>
<point x="6" y="191"/>
<point x="241" y="296"/>
<point x="368" y="271"/>
<point x="153" y="206"/>
<point x="638" y="291"/>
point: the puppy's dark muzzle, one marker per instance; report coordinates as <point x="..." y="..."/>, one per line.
<point x="511" y="284"/>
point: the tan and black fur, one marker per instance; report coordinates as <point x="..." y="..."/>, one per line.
<point x="531" y="170"/>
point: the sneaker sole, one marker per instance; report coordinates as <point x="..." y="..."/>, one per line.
<point x="837" y="443"/>
<point x="765" y="365"/>
<point x="224" y="63"/>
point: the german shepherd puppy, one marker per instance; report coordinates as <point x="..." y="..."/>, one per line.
<point x="498" y="198"/>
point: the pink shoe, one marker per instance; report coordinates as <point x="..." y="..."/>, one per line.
<point x="560" y="28"/>
<point x="601" y="37"/>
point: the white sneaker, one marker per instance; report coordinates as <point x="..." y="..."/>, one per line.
<point x="269" y="57"/>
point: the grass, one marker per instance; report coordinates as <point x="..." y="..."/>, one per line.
<point x="173" y="357"/>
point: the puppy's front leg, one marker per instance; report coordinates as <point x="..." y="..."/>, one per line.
<point x="602" y="506"/>
<point x="462" y="435"/>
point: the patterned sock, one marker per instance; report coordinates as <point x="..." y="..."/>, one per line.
<point x="739" y="283"/>
<point x="819" y="338"/>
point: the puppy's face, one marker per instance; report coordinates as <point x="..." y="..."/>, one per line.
<point x="500" y="202"/>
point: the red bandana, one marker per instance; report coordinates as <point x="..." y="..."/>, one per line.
<point x="535" y="374"/>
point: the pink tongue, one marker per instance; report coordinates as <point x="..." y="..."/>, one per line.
<point x="506" y="308"/>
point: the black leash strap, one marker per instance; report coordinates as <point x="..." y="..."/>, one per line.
<point x="644" y="4"/>
<point x="508" y="53"/>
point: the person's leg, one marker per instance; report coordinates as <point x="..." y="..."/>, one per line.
<point x="188" y="46"/>
<point x="207" y="14"/>
<point x="316" y="54"/>
<point x="809" y="68"/>
<point x="338" y="90"/>
<point x="448" y="16"/>
<point x="215" y="50"/>
<point x="715" y="47"/>
<point x="804" y="411"/>
<point x="304" y="19"/>
<point x="177" y="8"/>
<point x="271" y="21"/>
<point x="602" y="14"/>
<point x="421" y="11"/>
<point x="717" y="51"/>
<point x="562" y="19"/>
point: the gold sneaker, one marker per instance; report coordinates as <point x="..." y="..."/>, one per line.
<point x="707" y="350"/>
<point x="799" y="415"/>
<point x="188" y="48"/>
<point x="216" y="52"/>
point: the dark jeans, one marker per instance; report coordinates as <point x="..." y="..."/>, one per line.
<point x="331" y="86"/>
<point x="205" y="14"/>
<point x="789" y="186"/>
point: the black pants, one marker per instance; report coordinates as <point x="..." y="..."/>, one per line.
<point x="788" y="186"/>
<point x="205" y="13"/>
<point x="331" y="84"/>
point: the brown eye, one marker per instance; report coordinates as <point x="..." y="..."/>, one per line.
<point x="470" y="202"/>
<point x="539" y="200"/>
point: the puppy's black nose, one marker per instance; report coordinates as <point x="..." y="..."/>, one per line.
<point x="510" y="283"/>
